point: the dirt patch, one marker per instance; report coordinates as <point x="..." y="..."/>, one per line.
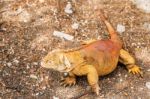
<point x="26" y="29"/>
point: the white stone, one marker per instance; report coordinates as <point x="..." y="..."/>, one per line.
<point x="121" y="80"/>
<point x="33" y="76"/>
<point x="37" y="94"/>
<point x="126" y="76"/>
<point x="68" y="8"/>
<point x="132" y="87"/>
<point x="63" y="35"/>
<point x="9" y="64"/>
<point x="28" y="66"/>
<point x="35" y="63"/>
<point x="75" y="25"/>
<point x="148" y="70"/>
<point x="143" y="5"/>
<point x="54" y="97"/>
<point x="16" y="61"/>
<point x="148" y="85"/>
<point x="120" y="28"/>
<point x="44" y="87"/>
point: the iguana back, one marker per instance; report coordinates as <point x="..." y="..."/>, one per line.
<point x="104" y="52"/>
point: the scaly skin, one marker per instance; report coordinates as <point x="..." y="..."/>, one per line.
<point x="96" y="58"/>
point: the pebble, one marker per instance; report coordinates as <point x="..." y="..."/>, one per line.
<point x="68" y="8"/>
<point x="54" y="97"/>
<point x="148" y="85"/>
<point x="119" y="74"/>
<point x="28" y="66"/>
<point x="75" y="26"/>
<point x="140" y="89"/>
<point x="35" y="63"/>
<point x="143" y="5"/>
<point x="148" y="70"/>
<point x="121" y="79"/>
<point x="44" y="87"/>
<point x="126" y="76"/>
<point x="16" y="61"/>
<point x="37" y="94"/>
<point x="33" y="76"/>
<point x="132" y="87"/>
<point x="120" y="28"/>
<point x="9" y="64"/>
<point x="63" y="35"/>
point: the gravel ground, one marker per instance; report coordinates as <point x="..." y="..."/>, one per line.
<point x="26" y="30"/>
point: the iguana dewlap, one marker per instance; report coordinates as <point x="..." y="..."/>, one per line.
<point x="95" y="59"/>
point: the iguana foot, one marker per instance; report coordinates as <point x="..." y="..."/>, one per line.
<point x="95" y="88"/>
<point x="68" y="81"/>
<point x="134" y="69"/>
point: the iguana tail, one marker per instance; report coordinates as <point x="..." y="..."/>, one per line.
<point x="113" y="34"/>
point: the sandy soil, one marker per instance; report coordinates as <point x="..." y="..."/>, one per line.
<point x="26" y="30"/>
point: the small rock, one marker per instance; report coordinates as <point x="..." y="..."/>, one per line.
<point x="132" y="87"/>
<point x="148" y="70"/>
<point x="68" y="8"/>
<point x="63" y="35"/>
<point x="33" y="76"/>
<point x="16" y="61"/>
<point x="140" y="89"/>
<point x="148" y="85"/>
<point x="120" y="28"/>
<point x="9" y="64"/>
<point x="121" y="79"/>
<point x="35" y="63"/>
<point x="37" y="93"/>
<point x="24" y="72"/>
<point x="44" y="87"/>
<point x="75" y="26"/>
<point x="54" y="97"/>
<point x="126" y="76"/>
<point x="143" y="5"/>
<point x="119" y="74"/>
<point x="28" y="66"/>
<point x="126" y="94"/>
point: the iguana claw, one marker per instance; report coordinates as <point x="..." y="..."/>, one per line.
<point x="68" y="81"/>
<point x="96" y="88"/>
<point x="136" y="70"/>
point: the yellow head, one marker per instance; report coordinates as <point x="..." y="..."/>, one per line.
<point x="56" y="60"/>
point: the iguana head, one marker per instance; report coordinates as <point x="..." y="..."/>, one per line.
<point x="56" y="60"/>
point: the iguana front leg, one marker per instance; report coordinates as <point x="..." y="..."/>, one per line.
<point x="91" y="74"/>
<point x="69" y="80"/>
<point x="129" y="61"/>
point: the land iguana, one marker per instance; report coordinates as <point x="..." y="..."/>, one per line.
<point x="94" y="59"/>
